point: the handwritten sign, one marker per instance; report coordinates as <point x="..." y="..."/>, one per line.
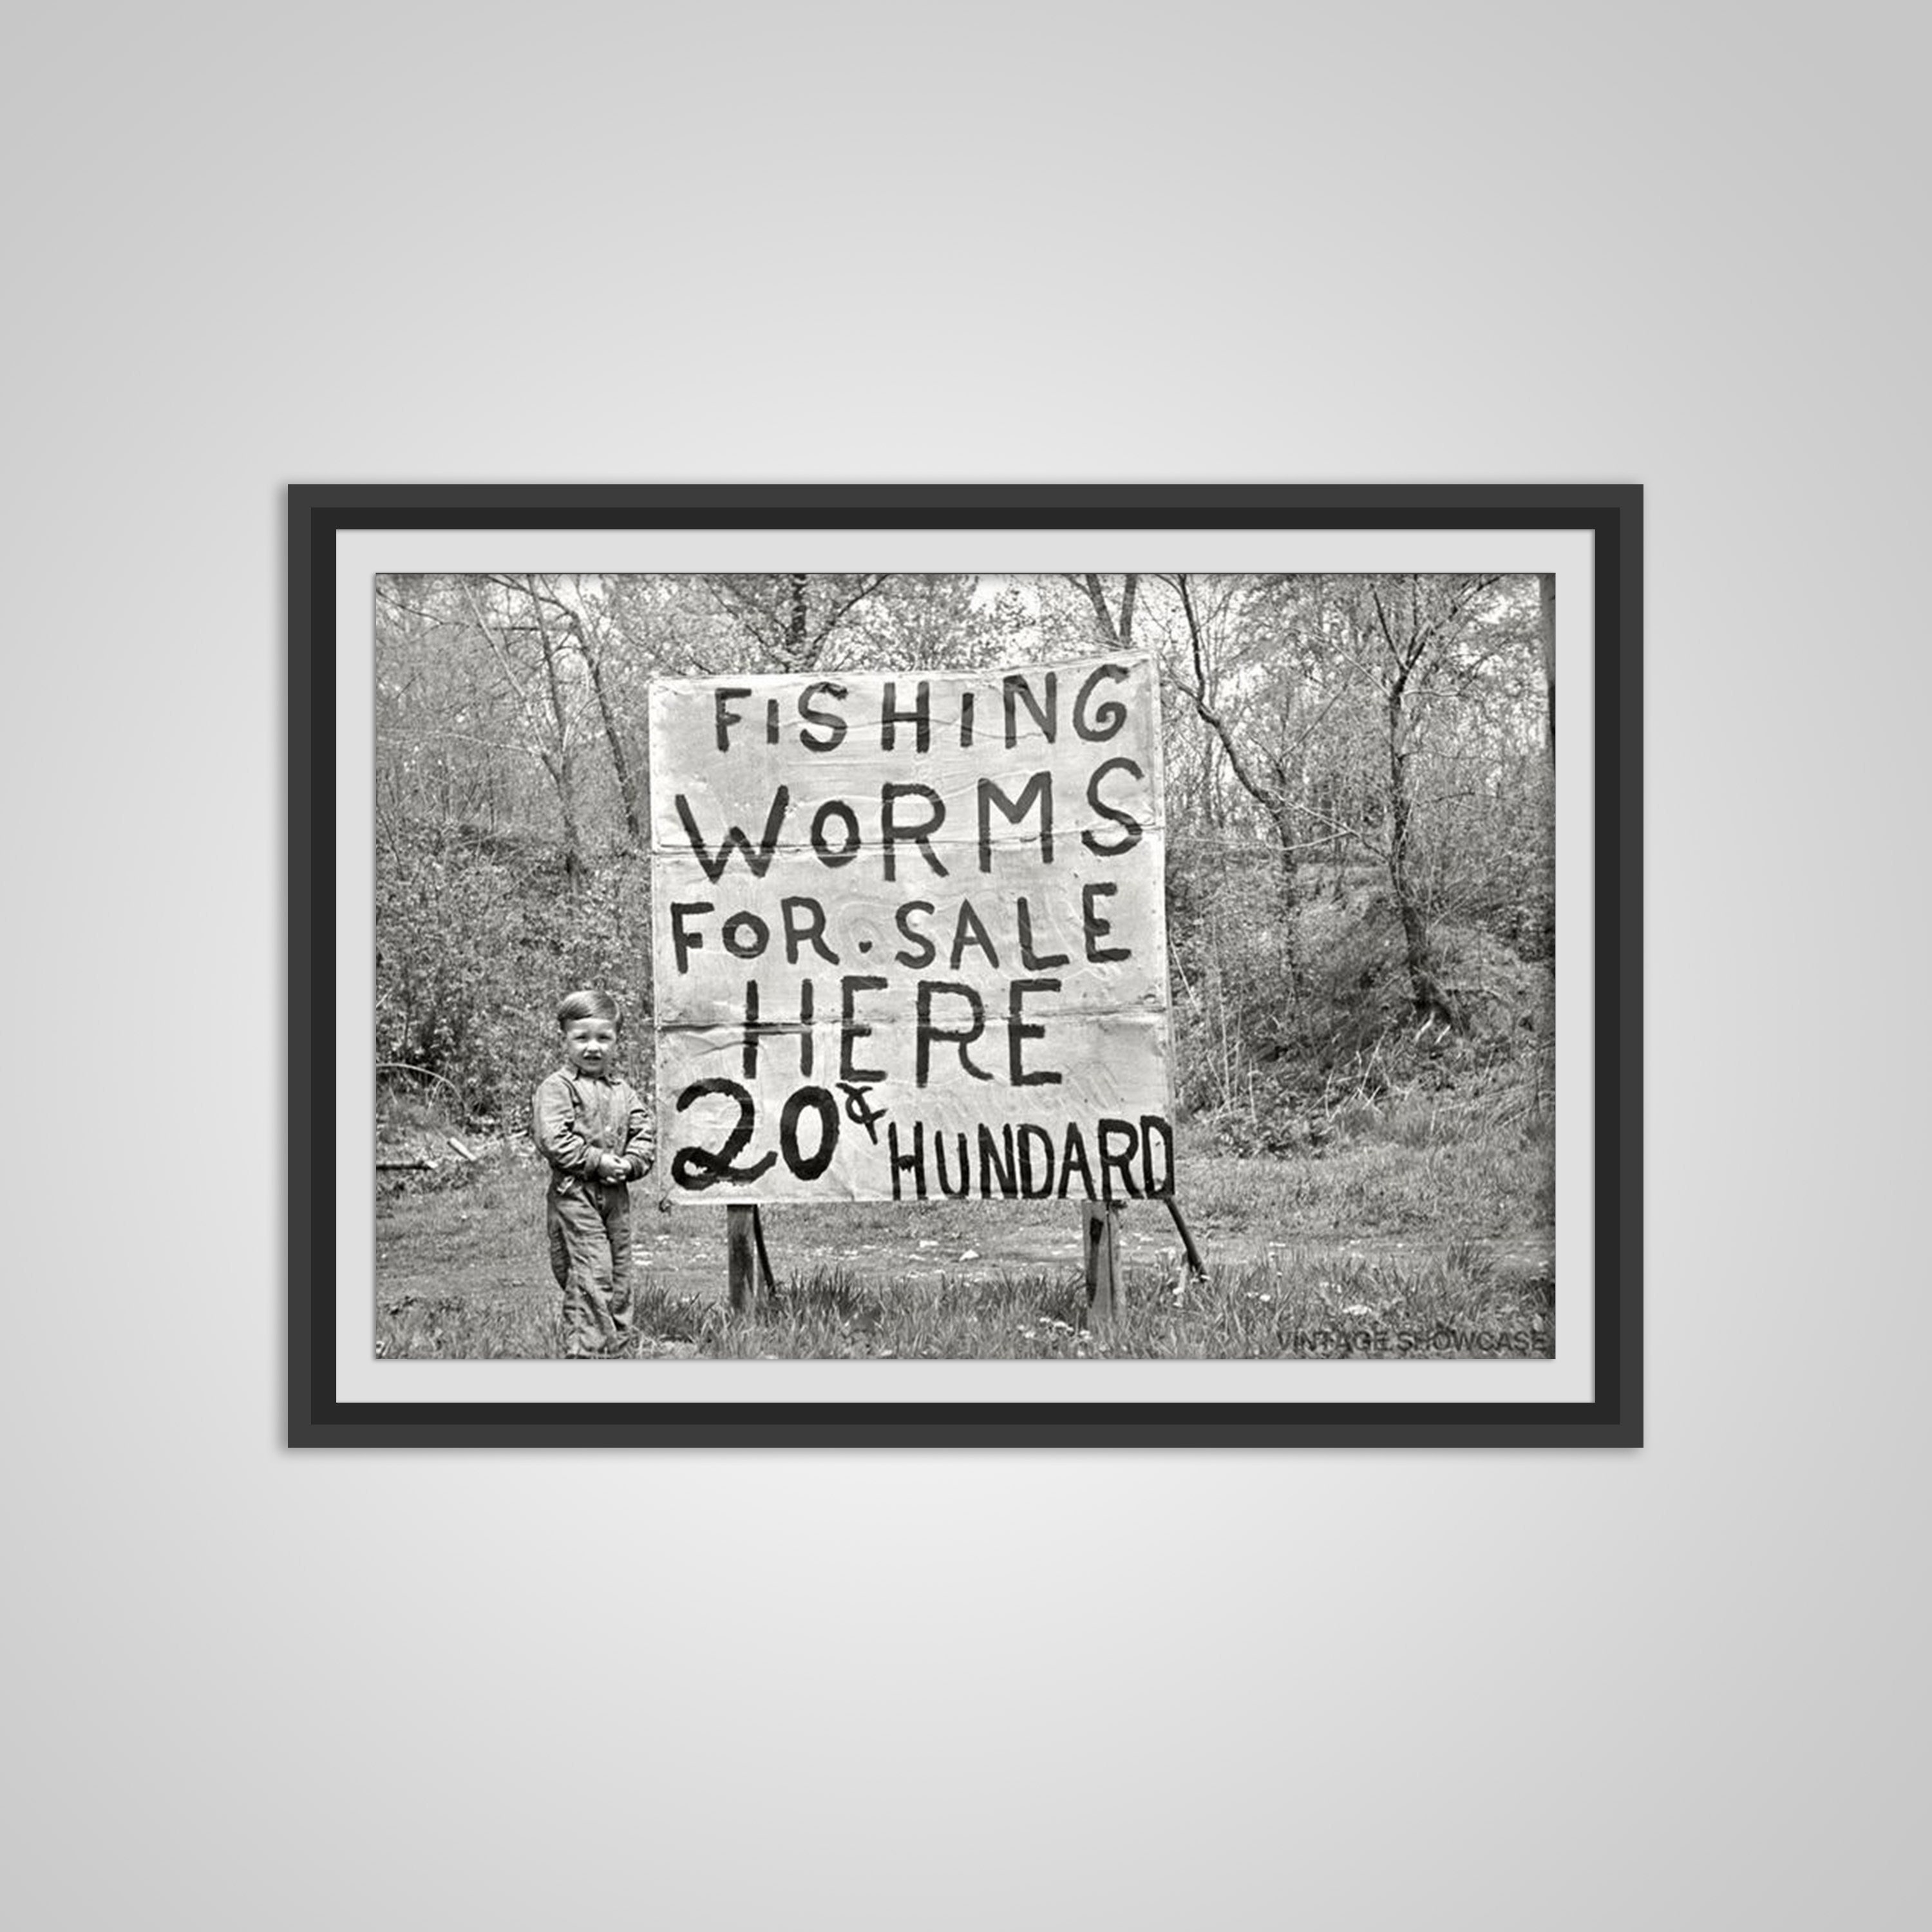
<point x="909" y="936"/>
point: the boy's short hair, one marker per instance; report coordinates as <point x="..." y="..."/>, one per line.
<point x="587" y="1004"/>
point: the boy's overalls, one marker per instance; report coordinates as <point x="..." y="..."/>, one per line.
<point x="577" y="1119"/>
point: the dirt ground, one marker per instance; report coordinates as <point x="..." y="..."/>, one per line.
<point x="686" y="1256"/>
<point x="462" y="1268"/>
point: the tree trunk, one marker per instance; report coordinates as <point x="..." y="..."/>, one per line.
<point x="1120" y="634"/>
<point x="1432" y="1000"/>
<point x="620" y="763"/>
<point x="1546" y="627"/>
<point x="560" y="765"/>
<point x="1277" y="800"/>
<point x="796" y="627"/>
<point x="1291" y="909"/>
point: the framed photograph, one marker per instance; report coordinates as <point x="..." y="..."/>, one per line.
<point x="1081" y="964"/>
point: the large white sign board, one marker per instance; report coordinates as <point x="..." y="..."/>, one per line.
<point x="909" y="936"/>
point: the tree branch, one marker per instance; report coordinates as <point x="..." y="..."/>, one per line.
<point x="1270" y="801"/>
<point x="867" y="586"/>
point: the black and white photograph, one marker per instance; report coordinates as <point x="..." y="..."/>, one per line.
<point x="1069" y="966"/>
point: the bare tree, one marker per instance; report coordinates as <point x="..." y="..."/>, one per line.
<point x="1429" y="618"/>
<point x="1269" y="777"/>
<point x="793" y="616"/>
<point x="1118" y="631"/>
<point x="546" y="709"/>
<point x="591" y="637"/>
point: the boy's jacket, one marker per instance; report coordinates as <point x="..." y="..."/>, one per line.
<point x="575" y="1119"/>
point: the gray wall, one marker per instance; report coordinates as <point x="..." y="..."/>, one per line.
<point x="1667" y="244"/>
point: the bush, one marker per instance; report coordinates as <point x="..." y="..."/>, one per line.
<point x="475" y="943"/>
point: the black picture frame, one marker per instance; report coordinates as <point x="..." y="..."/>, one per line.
<point x="1610" y="514"/>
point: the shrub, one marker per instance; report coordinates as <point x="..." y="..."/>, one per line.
<point x="476" y="942"/>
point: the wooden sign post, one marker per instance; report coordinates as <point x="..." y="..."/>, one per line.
<point x="743" y="1285"/>
<point x="1100" y="1223"/>
<point x="910" y="941"/>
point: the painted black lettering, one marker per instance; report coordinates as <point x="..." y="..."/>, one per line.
<point x="683" y="944"/>
<point x="1035" y="962"/>
<point x="1019" y="1032"/>
<point x="771" y="720"/>
<point x="951" y="1193"/>
<point x="1131" y="834"/>
<point x="996" y="1164"/>
<point x="1107" y="718"/>
<point x="724" y="717"/>
<point x="1036" y="1162"/>
<point x="850" y="1031"/>
<point x="919" y="717"/>
<point x="1071" y="1156"/>
<point x="759" y="858"/>
<point x="928" y="952"/>
<point x="1015" y="691"/>
<point x="965" y="720"/>
<point x="829" y="722"/>
<point x="1038" y="790"/>
<point x="834" y="809"/>
<point x="757" y="1028"/>
<point x="970" y="929"/>
<point x="924" y="1032"/>
<point x="698" y="1168"/>
<point x="804" y="926"/>
<point x="1093" y="928"/>
<point x="1119" y="1142"/>
<point x="1156" y="1177"/>
<point x="814" y="1099"/>
<point x="745" y="935"/>
<point x="894" y="834"/>
<point x="913" y="1163"/>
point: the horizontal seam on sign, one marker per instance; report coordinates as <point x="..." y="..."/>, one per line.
<point x="1060" y="831"/>
<point x="1143" y="1009"/>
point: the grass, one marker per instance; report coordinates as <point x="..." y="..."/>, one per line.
<point x="1411" y="1234"/>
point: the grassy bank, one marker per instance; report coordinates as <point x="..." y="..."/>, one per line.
<point x="1417" y="1235"/>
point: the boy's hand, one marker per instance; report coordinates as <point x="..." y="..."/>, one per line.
<point x="610" y="1168"/>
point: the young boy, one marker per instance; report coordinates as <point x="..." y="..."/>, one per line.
<point x="595" y="1133"/>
